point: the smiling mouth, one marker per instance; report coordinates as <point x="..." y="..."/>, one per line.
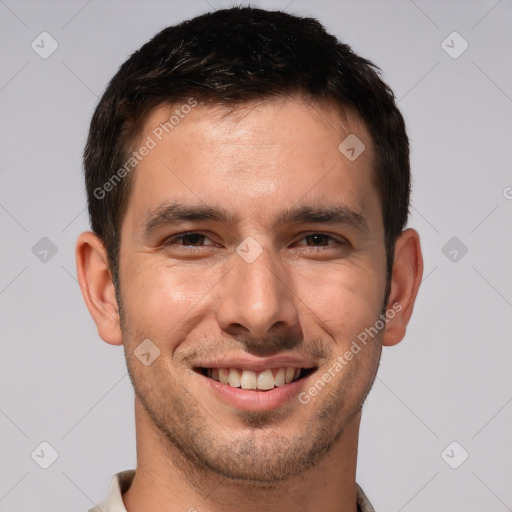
<point x="265" y="380"/>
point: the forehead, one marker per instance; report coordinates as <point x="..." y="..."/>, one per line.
<point x="265" y="118"/>
<point x="254" y="157"/>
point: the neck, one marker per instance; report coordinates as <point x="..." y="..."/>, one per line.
<point x="165" y="481"/>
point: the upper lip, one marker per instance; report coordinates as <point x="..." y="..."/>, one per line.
<point x="256" y="364"/>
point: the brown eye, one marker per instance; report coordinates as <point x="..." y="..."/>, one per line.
<point x="318" y="239"/>
<point x="190" y="239"/>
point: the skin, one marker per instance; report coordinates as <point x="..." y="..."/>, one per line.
<point x="305" y="296"/>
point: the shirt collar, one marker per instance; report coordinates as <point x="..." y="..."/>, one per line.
<point x="114" y="503"/>
<point x="122" y="481"/>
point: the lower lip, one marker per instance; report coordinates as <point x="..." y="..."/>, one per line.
<point x="254" y="400"/>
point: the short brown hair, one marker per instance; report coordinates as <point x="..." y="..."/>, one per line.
<point x="233" y="56"/>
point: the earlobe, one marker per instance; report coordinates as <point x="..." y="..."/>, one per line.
<point x="407" y="274"/>
<point x="97" y="287"/>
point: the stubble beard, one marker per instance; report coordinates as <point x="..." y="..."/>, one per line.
<point x="259" y="453"/>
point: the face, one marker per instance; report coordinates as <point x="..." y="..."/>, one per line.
<point x="251" y="242"/>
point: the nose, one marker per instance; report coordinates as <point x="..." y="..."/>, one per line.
<point x="257" y="298"/>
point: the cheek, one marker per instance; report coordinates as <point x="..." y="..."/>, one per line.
<point x="161" y="296"/>
<point x="345" y="301"/>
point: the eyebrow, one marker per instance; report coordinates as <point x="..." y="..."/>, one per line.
<point x="174" y="213"/>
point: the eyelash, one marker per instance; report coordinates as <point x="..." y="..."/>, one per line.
<point x="171" y="240"/>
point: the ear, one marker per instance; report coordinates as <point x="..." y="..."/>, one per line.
<point x="405" y="282"/>
<point x="97" y="287"/>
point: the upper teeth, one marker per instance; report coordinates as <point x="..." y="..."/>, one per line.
<point x="247" y="379"/>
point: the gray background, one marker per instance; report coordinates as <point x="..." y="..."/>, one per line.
<point x="449" y="380"/>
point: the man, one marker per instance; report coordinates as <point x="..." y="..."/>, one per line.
<point x="248" y="185"/>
